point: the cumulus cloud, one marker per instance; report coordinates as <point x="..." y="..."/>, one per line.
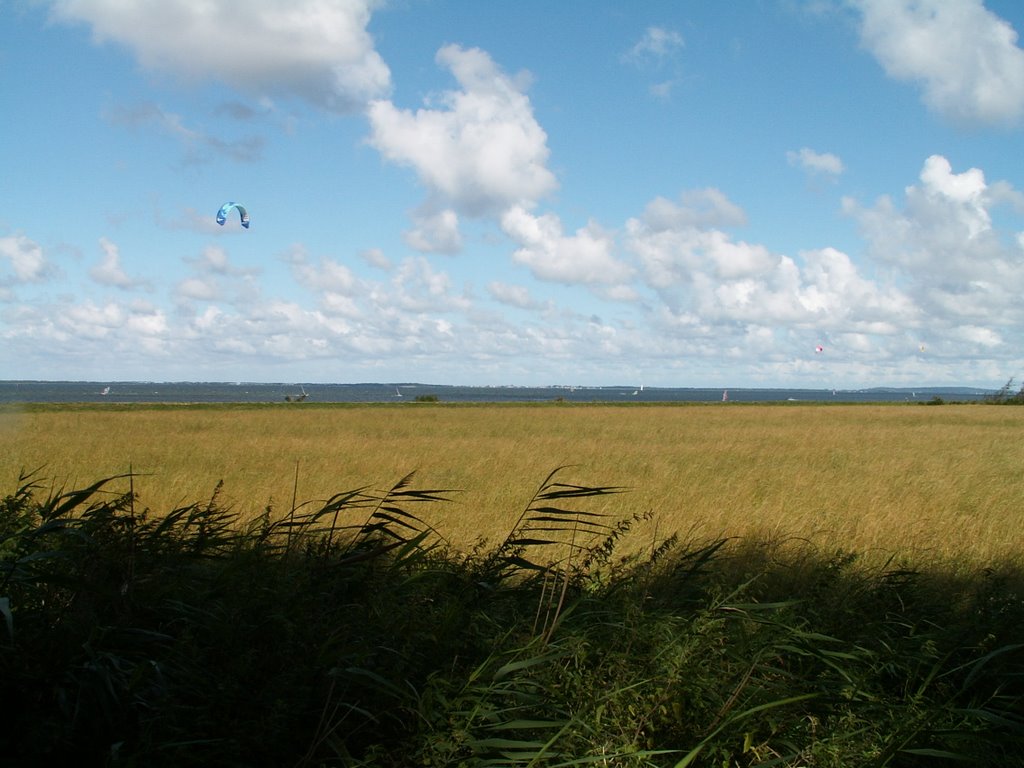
<point x="512" y="295"/>
<point x="945" y="222"/>
<point x="112" y="321"/>
<point x="109" y="271"/>
<point x="696" y="208"/>
<point x="329" y="275"/>
<point x="334" y="283"/>
<point x="706" y="278"/>
<point x="418" y="287"/>
<point x="376" y="327"/>
<point x="375" y="257"/>
<point x="198" y="289"/>
<point x="317" y="50"/>
<point x="586" y="257"/>
<point x="435" y="232"/>
<point x="965" y="57"/>
<point x="480" y="149"/>
<point x="672" y="240"/>
<point x="90" y="335"/>
<point x="214" y="260"/>
<point x="216" y="278"/>
<point x="816" y="162"/>
<point x="945" y="245"/>
<point x="377" y="313"/>
<point x="25" y="258"/>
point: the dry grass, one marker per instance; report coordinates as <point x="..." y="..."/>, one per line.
<point x="938" y="481"/>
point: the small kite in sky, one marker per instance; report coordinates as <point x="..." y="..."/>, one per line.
<point x="819" y="349"/>
<point x="222" y="214"/>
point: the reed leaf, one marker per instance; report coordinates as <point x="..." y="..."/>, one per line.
<point x="694" y="753"/>
<point x="542" y="525"/>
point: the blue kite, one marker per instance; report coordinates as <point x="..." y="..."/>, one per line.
<point x="222" y="214"/>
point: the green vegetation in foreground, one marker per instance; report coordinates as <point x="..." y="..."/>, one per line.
<point x="350" y="635"/>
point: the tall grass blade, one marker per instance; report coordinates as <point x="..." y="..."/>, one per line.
<point x="696" y="751"/>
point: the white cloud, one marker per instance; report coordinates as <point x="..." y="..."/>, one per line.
<point x="435" y="232"/>
<point x="672" y="241"/>
<point x="112" y="327"/>
<point x="967" y="187"/>
<point x="375" y="257"/>
<point x="198" y="289"/>
<point x="833" y="284"/>
<point x="328" y="275"/>
<point x="147" y="319"/>
<point x="983" y="337"/>
<point x="26" y="259"/>
<point x="945" y="246"/>
<point x="318" y="50"/>
<point x="696" y="208"/>
<point x="815" y="162"/>
<point x="215" y="278"/>
<point x="420" y="288"/>
<point x="109" y="270"/>
<point x="215" y="261"/>
<point x="657" y="44"/>
<point x="586" y="257"/>
<point x="965" y="57"/>
<point x="655" y="52"/>
<point x="91" y="321"/>
<point x="357" y="324"/>
<point x="350" y="305"/>
<point x="334" y="283"/>
<point x="481" y="151"/>
<point x="946" y="221"/>
<point x="512" y="295"/>
<point x="705" y="278"/>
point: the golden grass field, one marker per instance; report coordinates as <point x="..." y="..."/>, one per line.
<point x="934" y="482"/>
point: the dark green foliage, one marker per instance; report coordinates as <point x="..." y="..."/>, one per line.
<point x="350" y="635"/>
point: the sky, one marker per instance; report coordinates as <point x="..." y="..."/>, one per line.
<point x="798" y="193"/>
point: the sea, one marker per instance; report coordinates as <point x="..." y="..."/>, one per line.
<point x="248" y="392"/>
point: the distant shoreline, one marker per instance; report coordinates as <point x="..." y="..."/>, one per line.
<point x="305" y="394"/>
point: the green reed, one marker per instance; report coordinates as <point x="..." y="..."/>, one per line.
<point x="349" y="633"/>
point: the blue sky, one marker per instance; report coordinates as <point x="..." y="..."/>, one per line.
<point x="583" y="192"/>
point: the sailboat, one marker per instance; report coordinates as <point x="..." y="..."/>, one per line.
<point x="105" y="391"/>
